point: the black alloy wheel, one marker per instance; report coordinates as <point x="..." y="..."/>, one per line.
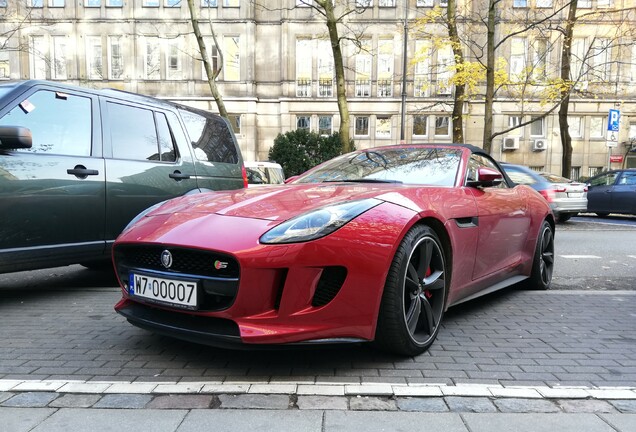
<point x="543" y="264"/>
<point x="414" y="295"/>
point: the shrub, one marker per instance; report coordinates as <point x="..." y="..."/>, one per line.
<point x="297" y="151"/>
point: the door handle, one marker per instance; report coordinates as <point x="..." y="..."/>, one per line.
<point x="178" y="176"/>
<point x="80" y="171"/>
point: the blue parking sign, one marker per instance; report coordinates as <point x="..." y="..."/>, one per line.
<point x="613" y="119"/>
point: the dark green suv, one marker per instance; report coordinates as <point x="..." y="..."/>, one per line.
<point x="76" y="165"/>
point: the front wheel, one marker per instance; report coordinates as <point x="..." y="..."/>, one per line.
<point x="414" y="294"/>
<point x="543" y="262"/>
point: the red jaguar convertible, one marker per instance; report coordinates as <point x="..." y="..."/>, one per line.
<point x="372" y="246"/>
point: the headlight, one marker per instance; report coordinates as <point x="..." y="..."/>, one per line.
<point x="142" y="214"/>
<point x="317" y="223"/>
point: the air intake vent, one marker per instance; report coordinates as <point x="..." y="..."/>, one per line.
<point x="511" y="143"/>
<point x="329" y="285"/>
<point x="539" y="145"/>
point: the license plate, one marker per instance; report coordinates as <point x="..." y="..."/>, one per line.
<point x="175" y="292"/>
<point x="575" y="194"/>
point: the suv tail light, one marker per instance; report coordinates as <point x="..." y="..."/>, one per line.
<point x="244" y="176"/>
<point x="548" y="194"/>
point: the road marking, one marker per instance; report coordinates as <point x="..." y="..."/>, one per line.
<point x="580" y="256"/>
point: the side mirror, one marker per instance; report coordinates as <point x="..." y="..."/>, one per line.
<point x="486" y="177"/>
<point x="15" y="137"/>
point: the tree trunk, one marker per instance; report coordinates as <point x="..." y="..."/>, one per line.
<point x="460" y="89"/>
<point x="211" y="75"/>
<point x="566" y="57"/>
<point x="490" y="76"/>
<point x="341" y="88"/>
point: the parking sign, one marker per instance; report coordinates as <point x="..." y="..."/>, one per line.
<point x="613" y="119"/>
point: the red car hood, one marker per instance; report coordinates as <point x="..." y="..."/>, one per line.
<point x="281" y="202"/>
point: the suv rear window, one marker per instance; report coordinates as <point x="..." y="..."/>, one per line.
<point x="211" y="137"/>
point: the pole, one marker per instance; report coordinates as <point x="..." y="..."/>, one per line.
<point x="404" y="60"/>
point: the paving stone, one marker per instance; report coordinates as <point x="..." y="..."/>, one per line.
<point x="515" y="405"/>
<point x="422" y="404"/>
<point x="322" y="403"/>
<point x="184" y="401"/>
<point x="75" y="401"/>
<point x="30" y="399"/>
<point x="254" y="401"/>
<point x="624" y="406"/>
<point x="470" y="404"/>
<point x="585" y="406"/>
<point x="366" y="403"/>
<point x="123" y="401"/>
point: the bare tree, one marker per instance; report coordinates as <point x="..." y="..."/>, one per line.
<point x="210" y="72"/>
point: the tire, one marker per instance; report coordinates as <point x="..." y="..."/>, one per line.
<point x="414" y="296"/>
<point x="602" y="214"/>
<point x="543" y="262"/>
<point x="564" y="217"/>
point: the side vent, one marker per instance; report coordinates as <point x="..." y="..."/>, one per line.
<point x="329" y="285"/>
<point x="511" y="143"/>
<point x="539" y="145"/>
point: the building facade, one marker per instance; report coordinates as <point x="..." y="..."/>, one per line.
<point x="278" y="72"/>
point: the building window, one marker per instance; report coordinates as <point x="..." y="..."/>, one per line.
<point x="364" y="3"/>
<point x="442" y="126"/>
<point x="213" y="54"/>
<point x="115" y="58"/>
<point x="304" y="67"/>
<point x="232" y="58"/>
<point x="152" y="63"/>
<point x="37" y="57"/>
<point x="303" y="122"/>
<point x="114" y="3"/>
<point x="537" y="127"/>
<point x="601" y="60"/>
<point x="303" y="3"/>
<point x="231" y="3"/>
<point x="544" y="3"/>
<point x="575" y="174"/>
<point x="94" y="69"/>
<point x="3" y="3"/>
<point x="208" y="3"/>
<point x="325" y="125"/>
<point x="58" y="67"/>
<point x="5" y="70"/>
<point x="445" y="62"/>
<point x="362" y="126"/>
<point x="584" y="4"/>
<point x="420" y="126"/>
<point x="540" y="59"/>
<point x="150" y="3"/>
<point x="421" y="79"/>
<point x="633" y="62"/>
<point x="518" y="55"/>
<point x="520" y="3"/>
<point x="325" y="69"/>
<point x="235" y="122"/>
<point x="604" y="3"/>
<point x="537" y="168"/>
<point x="56" y="3"/>
<point x="92" y="3"/>
<point x="574" y="127"/>
<point x="36" y="3"/>
<point x="383" y="127"/>
<point x="385" y="68"/>
<point x="579" y="50"/>
<point x="363" y="71"/>
<point x="173" y="60"/>
<point x="592" y="171"/>
<point x="596" y="127"/>
<point x="387" y="3"/>
<point x="172" y="3"/>
<point x="424" y="3"/>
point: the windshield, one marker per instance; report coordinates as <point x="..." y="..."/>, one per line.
<point x="413" y="165"/>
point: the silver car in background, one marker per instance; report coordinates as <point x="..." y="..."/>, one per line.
<point x="566" y="197"/>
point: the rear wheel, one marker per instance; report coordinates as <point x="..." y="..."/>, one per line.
<point x="543" y="263"/>
<point x="414" y="294"/>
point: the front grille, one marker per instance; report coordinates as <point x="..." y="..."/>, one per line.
<point x="186" y="261"/>
<point x="329" y="285"/>
<point x="217" y="274"/>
